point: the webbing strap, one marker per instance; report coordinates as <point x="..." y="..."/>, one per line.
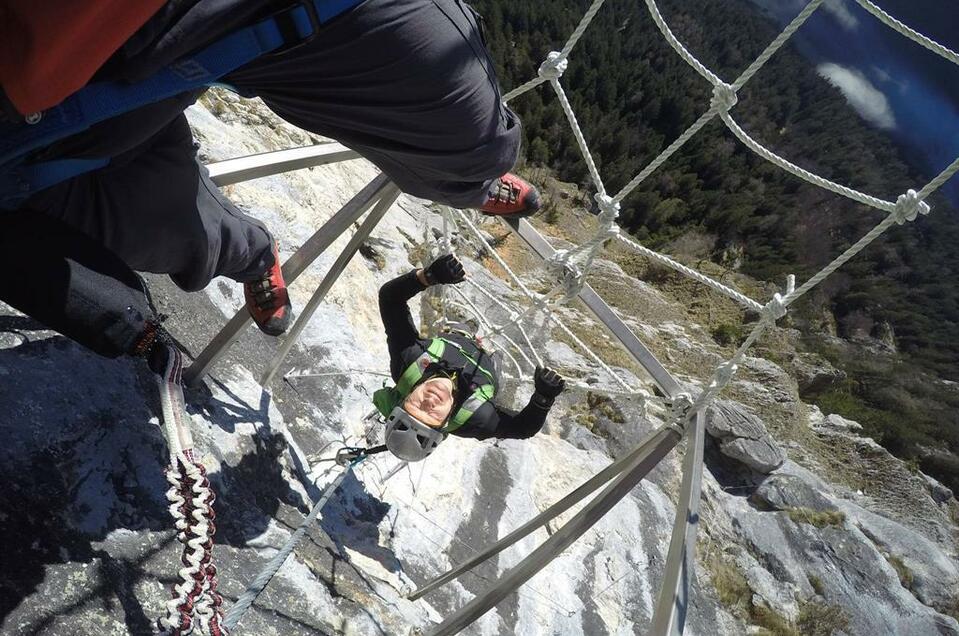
<point x="470" y="358"/>
<point x="101" y="101"/>
<point x="470" y="406"/>
<point x="414" y="371"/>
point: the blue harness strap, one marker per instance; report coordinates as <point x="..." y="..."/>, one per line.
<point x="103" y="100"/>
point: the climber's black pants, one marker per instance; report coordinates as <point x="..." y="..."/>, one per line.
<point x="155" y="207"/>
<point x="408" y="83"/>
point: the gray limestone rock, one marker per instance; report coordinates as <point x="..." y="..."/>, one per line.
<point x="782" y="492"/>
<point x="839" y="423"/>
<point x="743" y="437"/>
<point x="814" y="373"/>
<point x="939" y="492"/>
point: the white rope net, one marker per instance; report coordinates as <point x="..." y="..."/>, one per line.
<point x="571" y="267"/>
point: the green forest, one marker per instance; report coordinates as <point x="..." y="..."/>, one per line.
<point x="633" y="96"/>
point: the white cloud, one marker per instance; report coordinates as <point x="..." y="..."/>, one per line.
<point x="868" y="100"/>
<point x="842" y="15"/>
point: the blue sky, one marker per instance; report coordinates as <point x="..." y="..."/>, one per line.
<point x="892" y="82"/>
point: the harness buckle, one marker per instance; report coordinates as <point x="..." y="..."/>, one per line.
<point x="292" y="21"/>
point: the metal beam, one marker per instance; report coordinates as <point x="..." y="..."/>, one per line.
<point x="382" y="206"/>
<point x="674" y="593"/>
<point x="269" y="163"/>
<point x="604" y="313"/>
<point x="662" y="442"/>
<point x="293" y="267"/>
<point x="558" y="508"/>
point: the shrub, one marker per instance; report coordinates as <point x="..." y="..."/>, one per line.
<point x="818" y="518"/>
<point x="816" y="584"/>
<point x="731" y="586"/>
<point x="820" y="619"/>
<point x="772" y="623"/>
<point x="905" y="576"/>
<point x="728" y="334"/>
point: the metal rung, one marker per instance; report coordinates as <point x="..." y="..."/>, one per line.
<point x="266" y="164"/>
<point x="293" y="267"/>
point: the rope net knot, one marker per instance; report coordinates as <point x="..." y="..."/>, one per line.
<point x="909" y="206"/>
<point x="774" y="309"/>
<point x="553" y="67"/>
<point x="724" y="97"/>
<point x="724" y="373"/>
<point x="608" y="207"/>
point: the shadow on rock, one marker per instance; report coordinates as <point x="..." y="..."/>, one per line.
<point x="352" y="518"/>
<point x="83" y="507"/>
<point x="226" y="415"/>
<point x="250" y="493"/>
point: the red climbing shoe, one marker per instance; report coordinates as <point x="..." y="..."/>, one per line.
<point x="268" y="301"/>
<point x="511" y="197"/>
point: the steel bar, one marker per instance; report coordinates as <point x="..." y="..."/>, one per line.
<point x="673" y="605"/>
<point x="603" y="313"/>
<point x="392" y="472"/>
<point x="269" y="163"/>
<point x="308" y="252"/>
<point x="389" y="195"/>
<point x="664" y="440"/>
<point x="587" y="488"/>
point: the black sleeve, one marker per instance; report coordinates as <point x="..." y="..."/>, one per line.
<point x="491" y="420"/>
<point x="401" y="333"/>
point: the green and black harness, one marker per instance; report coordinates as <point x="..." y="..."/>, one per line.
<point x="438" y="359"/>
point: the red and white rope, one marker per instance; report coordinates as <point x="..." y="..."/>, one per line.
<point x="196" y="604"/>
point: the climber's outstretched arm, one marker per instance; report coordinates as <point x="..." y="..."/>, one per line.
<point x="401" y="331"/>
<point x="395" y="313"/>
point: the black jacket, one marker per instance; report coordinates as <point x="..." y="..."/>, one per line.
<point x="405" y="346"/>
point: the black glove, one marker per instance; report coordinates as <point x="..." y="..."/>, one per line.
<point x="444" y="270"/>
<point x="548" y="384"/>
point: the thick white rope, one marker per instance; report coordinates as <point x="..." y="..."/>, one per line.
<point x="574" y="264"/>
<point x="578" y="134"/>
<point x="547" y="312"/>
<point x="519" y="326"/>
<point x="722" y="97"/>
<point x="715" y="285"/>
<point x="581" y="28"/>
<point x="660" y="159"/>
<point x="776" y="44"/>
<point x="803" y="174"/>
<point x="915" y="36"/>
<point x="560" y="57"/>
<point x="674" y="42"/>
<point x="939" y="180"/>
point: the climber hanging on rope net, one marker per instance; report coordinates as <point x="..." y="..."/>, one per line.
<point x="93" y="138"/>
<point x="446" y="385"/>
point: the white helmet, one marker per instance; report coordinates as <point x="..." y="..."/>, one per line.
<point x="408" y="438"/>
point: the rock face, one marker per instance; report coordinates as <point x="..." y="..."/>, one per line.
<point x="742" y="436"/>
<point x="814" y="373"/>
<point x="90" y="545"/>
<point x="782" y="492"/>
